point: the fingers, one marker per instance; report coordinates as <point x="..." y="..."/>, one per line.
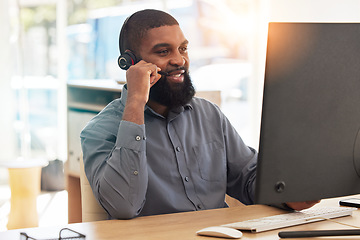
<point x="146" y="71"/>
<point x="302" y="205"/>
<point x="140" y="78"/>
<point x="155" y="76"/>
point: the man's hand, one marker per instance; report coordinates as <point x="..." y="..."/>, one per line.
<point x="140" y="78"/>
<point x="302" y="205"/>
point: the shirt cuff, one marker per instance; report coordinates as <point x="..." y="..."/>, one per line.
<point x="131" y="136"/>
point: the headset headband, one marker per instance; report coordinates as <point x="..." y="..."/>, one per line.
<point x="122" y="34"/>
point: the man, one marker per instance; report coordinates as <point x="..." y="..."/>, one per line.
<point x="158" y="149"/>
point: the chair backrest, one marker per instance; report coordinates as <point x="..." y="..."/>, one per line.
<point x="232" y="202"/>
<point x="90" y="208"/>
<point x="212" y="96"/>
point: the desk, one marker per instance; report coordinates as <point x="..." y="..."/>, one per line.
<point x="183" y="226"/>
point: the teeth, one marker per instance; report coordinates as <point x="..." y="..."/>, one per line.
<point x="177" y="75"/>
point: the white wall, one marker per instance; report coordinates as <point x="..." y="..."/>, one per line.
<point x="7" y="141"/>
<point x="61" y="24"/>
<point x="315" y="10"/>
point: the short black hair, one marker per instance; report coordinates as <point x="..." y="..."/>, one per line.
<point x="136" y="26"/>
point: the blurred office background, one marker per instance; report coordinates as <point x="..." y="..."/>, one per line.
<point x="45" y="44"/>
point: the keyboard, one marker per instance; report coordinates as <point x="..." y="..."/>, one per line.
<point x="291" y="219"/>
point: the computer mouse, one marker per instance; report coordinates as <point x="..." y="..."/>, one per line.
<point x="219" y="231"/>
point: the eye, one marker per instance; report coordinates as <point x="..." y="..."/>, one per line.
<point x="183" y="49"/>
<point x="163" y="52"/>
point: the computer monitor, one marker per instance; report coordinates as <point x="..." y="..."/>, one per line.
<point x="310" y="129"/>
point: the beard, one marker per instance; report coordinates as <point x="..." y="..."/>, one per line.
<point x="172" y="95"/>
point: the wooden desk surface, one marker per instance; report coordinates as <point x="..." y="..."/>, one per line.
<point x="184" y="225"/>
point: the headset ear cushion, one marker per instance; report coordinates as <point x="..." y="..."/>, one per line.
<point x="126" y="60"/>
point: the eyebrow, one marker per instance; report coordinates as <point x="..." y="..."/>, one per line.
<point x="159" y="45"/>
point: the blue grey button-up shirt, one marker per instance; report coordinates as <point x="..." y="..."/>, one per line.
<point x="184" y="162"/>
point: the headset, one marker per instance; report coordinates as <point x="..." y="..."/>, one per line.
<point x="126" y="58"/>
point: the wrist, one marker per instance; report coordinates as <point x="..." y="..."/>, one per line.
<point x="134" y="112"/>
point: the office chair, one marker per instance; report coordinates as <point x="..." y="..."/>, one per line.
<point x="212" y="96"/>
<point x="90" y="207"/>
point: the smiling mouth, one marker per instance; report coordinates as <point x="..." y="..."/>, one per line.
<point x="176" y="73"/>
<point x="176" y="76"/>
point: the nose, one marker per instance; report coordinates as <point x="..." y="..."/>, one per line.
<point x="178" y="60"/>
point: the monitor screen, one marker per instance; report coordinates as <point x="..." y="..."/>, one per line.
<point x="310" y="141"/>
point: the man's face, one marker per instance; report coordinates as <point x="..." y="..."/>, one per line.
<point x="166" y="47"/>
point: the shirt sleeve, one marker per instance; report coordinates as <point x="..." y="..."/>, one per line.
<point x="116" y="165"/>
<point x="241" y="166"/>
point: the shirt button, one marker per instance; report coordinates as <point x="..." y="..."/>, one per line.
<point x="178" y="149"/>
<point x="137" y="138"/>
<point x="136" y="173"/>
<point x="186" y="179"/>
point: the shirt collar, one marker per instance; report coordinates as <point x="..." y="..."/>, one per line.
<point x="123" y="95"/>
